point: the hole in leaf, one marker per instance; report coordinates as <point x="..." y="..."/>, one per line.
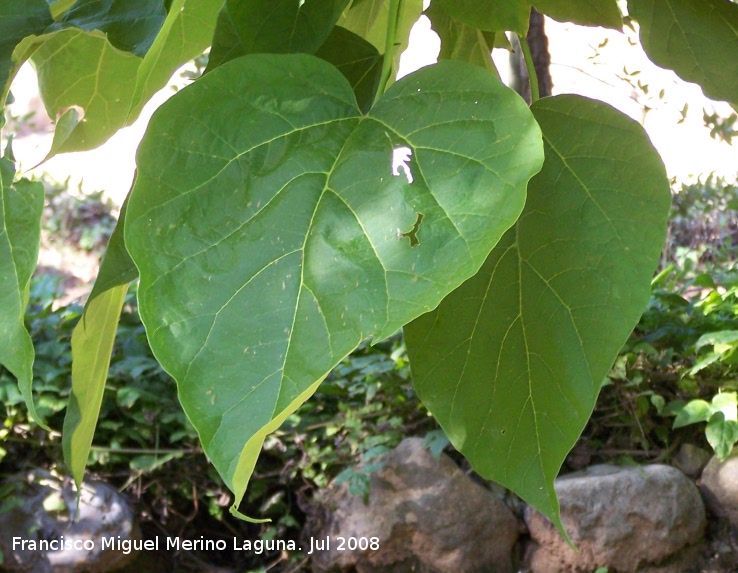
<point x="412" y="234"/>
<point x="400" y="158"/>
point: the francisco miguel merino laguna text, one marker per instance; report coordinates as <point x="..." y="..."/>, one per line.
<point x="172" y="543"/>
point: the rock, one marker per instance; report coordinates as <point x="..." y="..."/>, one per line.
<point x="42" y="508"/>
<point x="719" y="487"/>
<point x="691" y="460"/>
<point x="426" y="515"/>
<point x="643" y="519"/>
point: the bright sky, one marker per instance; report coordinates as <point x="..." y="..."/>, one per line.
<point x="589" y="61"/>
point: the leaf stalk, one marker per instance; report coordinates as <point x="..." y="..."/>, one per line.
<point x="389" y="47"/>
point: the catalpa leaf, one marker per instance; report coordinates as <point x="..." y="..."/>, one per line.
<point x="368" y="19"/>
<point x="117" y="267"/>
<point x="459" y="41"/>
<point x="272" y="27"/>
<point x="18" y="20"/>
<point x="92" y="346"/>
<point x="490" y="15"/>
<point x="585" y="12"/>
<point x="358" y="60"/>
<point x="698" y="40"/>
<point x="106" y="86"/>
<point x="21" y="206"/>
<point x="275" y="227"/>
<point x="130" y="25"/>
<point x="511" y="363"/>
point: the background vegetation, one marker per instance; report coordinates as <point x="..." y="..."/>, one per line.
<point x="678" y="366"/>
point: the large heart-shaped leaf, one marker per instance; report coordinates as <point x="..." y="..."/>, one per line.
<point x="21" y="206"/>
<point x="698" y="40"/>
<point x="275" y="227"/>
<point x="511" y="363"/>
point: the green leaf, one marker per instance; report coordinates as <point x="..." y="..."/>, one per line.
<point x="368" y="19"/>
<point x="17" y="21"/>
<point x="130" y="25"/>
<point x="59" y="7"/>
<point x="721" y="434"/>
<point x="272" y="236"/>
<point x="92" y="345"/>
<point x="63" y="64"/>
<point x="117" y="267"/>
<point x="490" y="15"/>
<point x="65" y="126"/>
<point x="727" y="403"/>
<point x="186" y="33"/>
<point x="698" y="40"/>
<point x="584" y="12"/>
<point x="272" y="27"/>
<point x="720" y="337"/>
<point x="693" y="412"/>
<point x="21" y="206"/>
<point x="358" y="60"/>
<point x="459" y="41"/>
<point x="109" y="87"/>
<point x="511" y="363"/>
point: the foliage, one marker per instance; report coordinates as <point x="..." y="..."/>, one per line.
<point x="145" y="443"/>
<point x="85" y="221"/>
<point x="679" y="363"/>
<point x="294" y="201"/>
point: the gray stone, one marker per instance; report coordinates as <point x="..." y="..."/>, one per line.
<point x="691" y="460"/>
<point x="644" y="519"/>
<point x="426" y="515"/>
<point x="41" y="507"/>
<point x="719" y="487"/>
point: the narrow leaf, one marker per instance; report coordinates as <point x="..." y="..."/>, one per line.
<point x="21" y="206"/>
<point x="275" y="227"/>
<point x="490" y="15"/>
<point x="272" y="27"/>
<point x="116" y="268"/>
<point x="92" y="345"/>
<point x="698" y="40"/>
<point x="511" y="363"/>
<point x="584" y="12"/>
